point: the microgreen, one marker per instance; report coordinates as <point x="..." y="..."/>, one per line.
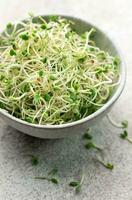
<point x="41" y="73"/>
<point x="81" y="60"/>
<point x="29" y="119"/>
<point x="74" y="183"/>
<point x="44" y="26"/>
<point x="50" y="176"/>
<point x="9" y="25"/>
<point x="34" y="160"/>
<point x="52" y="77"/>
<point x="124" y="136"/>
<point x="108" y="165"/>
<point x="116" y="61"/>
<point x="24" y="53"/>
<point x="53" y="18"/>
<point x="77" y="184"/>
<point x="12" y="52"/>
<point x="91" y="145"/>
<point x="53" y="180"/>
<point x="53" y="62"/>
<point x="47" y="97"/>
<point x="24" y="36"/>
<point x="44" y="60"/>
<point x="87" y="136"/>
<point x="124" y="124"/>
<point x="37" y="98"/>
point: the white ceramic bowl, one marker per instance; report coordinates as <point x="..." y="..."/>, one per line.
<point x="59" y="131"/>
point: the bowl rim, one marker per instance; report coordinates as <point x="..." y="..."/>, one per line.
<point x="108" y="104"/>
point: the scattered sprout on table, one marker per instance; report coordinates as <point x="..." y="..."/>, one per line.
<point x="34" y="160"/>
<point x="53" y="180"/>
<point x="106" y="165"/>
<point x="87" y="135"/>
<point x="124" y="136"/>
<point x="124" y="124"/>
<point x="91" y="145"/>
<point x="50" y="177"/>
<point x="77" y="184"/>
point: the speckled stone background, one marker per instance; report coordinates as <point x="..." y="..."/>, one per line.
<point x="69" y="155"/>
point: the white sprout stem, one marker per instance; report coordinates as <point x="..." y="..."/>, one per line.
<point x="113" y="122"/>
<point x="49" y="74"/>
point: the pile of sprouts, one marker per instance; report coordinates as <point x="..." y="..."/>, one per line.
<point x="49" y="74"/>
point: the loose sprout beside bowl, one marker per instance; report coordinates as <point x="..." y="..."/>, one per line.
<point x="58" y="75"/>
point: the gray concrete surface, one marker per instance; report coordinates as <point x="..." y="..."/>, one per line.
<point x="69" y="155"/>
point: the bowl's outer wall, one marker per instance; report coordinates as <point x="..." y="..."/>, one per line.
<point x="54" y="132"/>
<point x="104" y="43"/>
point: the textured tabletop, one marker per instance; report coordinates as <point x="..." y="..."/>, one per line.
<point x="69" y="155"/>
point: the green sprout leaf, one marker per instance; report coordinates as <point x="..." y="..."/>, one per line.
<point x="77" y="184"/>
<point x="108" y="165"/>
<point x="29" y="119"/>
<point x="124" y="136"/>
<point x="87" y="136"/>
<point x="24" y="53"/>
<point x="124" y="124"/>
<point x="12" y="52"/>
<point x="44" y="60"/>
<point x="53" y="18"/>
<point x="117" y="61"/>
<point x="52" y="77"/>
<point x="37" y="98"/>
<point x="41" y="73"/>
<point x="91" y="145"/>
<point x="73" y="183"/>
<point x="14" y="46"/>
<point x="24" y="36"/>
<point x="1" y="105"/>
<point x="44" y="26"/>
<point x="47" y="97"/>
<point x="54" y="180"/>
<point x="50" y="177"/>
<point x="9" y="26"/>
<point x="81" y="60"/>
<point x="34" y="160"/>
